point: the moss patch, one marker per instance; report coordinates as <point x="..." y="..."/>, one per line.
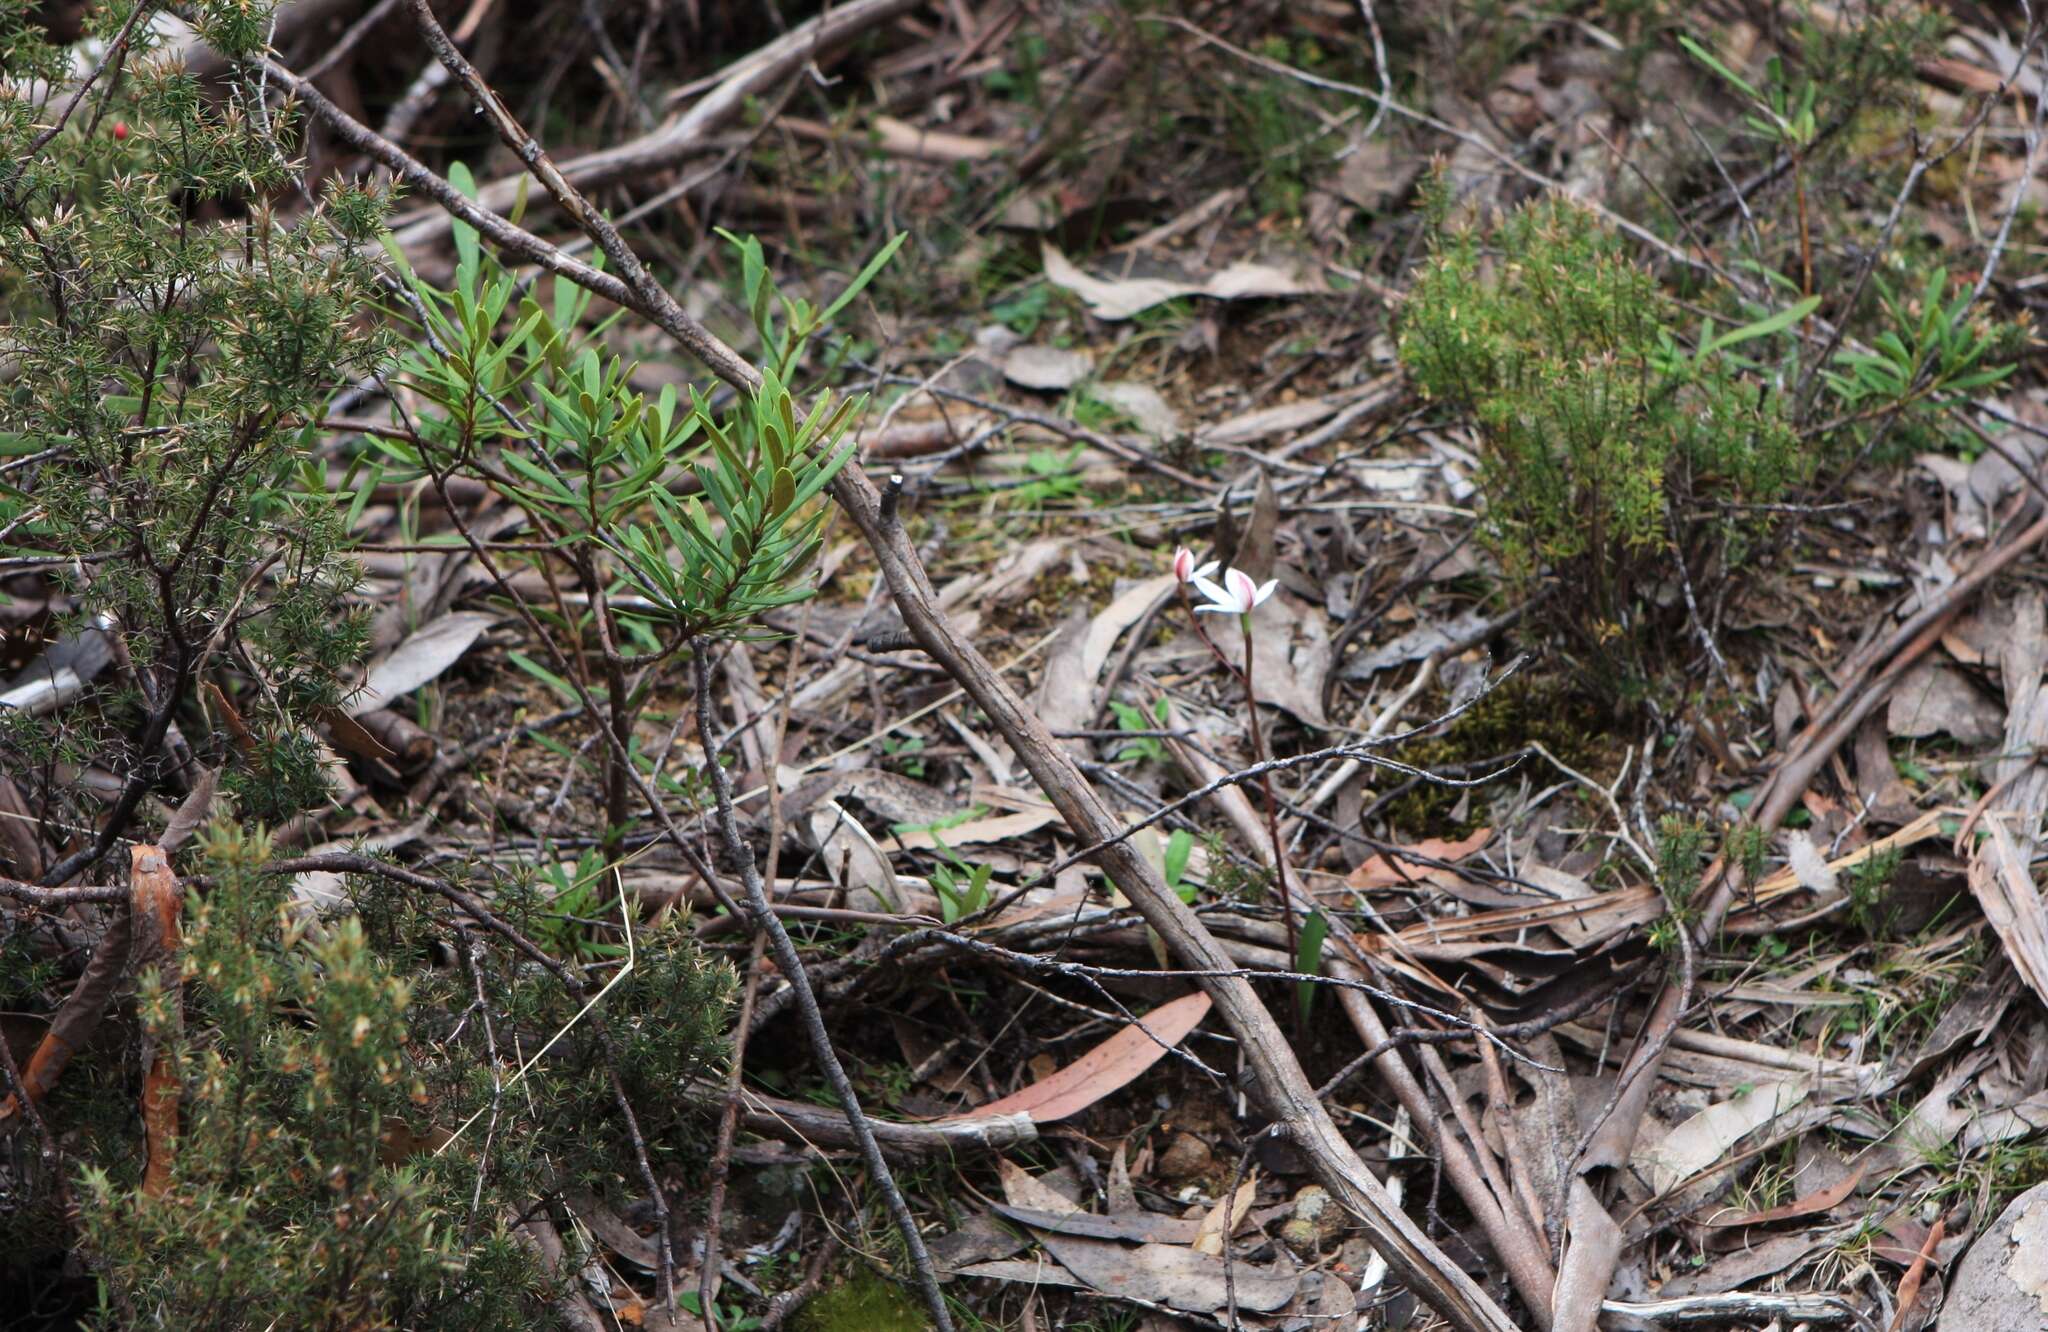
<point x="863" y="1303"/>
<point x="1546" y="710"/>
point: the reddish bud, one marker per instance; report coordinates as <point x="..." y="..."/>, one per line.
<point x="120" y="129"/>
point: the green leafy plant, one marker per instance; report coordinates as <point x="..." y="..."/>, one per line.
<point x="1602" y="440"/>
<point x="904" y="750"/>
<point x="1867" y="884"/>
<point x="1932" y="353"/>
<point x="1308" y="959"/>
<point x="1174" y="864"/>
<point x="578" y="907"/>
<point x="300" y="1068"/>
<point x="1681" y="857"/>
<point x="962" y="889"/>
<point x="707" y="516"/>
<point x="1054" y="477"/>
<point x="1141" y="747"/>
<point x="169" y="351"/>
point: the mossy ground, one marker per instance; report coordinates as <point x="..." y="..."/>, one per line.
<point x="863" y="1302"/>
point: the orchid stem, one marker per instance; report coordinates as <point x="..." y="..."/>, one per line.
<point x="1259" y="755"/>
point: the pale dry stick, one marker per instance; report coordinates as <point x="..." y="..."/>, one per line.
<point x="1379" y="64"/>
<point x="1347" y="771"/>
<point x="1475" y="1176"/>
<point x="1283" y="873"/>
<point x="1606" y="794"/>
<point x="728" y="1130"/>
<point x="697" y="339"/>
<point x="1503" y="1105"/>
<point x="1363" y="751"/>
<point x="1692" y="605"/>
<point x="1280" y="1084"/>
<point x="786" y="957"/>
<point x="1090" y="973"/>
<point x="2033" y="132"/>
<point x="733" y="87"/>
<point x="341" y="47"/>
<point x="1506" y="159"/>
<point x="1523" y="1253"/>
<point x="728" y="1123"/>
<point x="1489" y="1163"/>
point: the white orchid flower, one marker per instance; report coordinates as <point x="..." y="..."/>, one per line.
<point x="1184" y="569"/>
<point x="1238" y="594"/>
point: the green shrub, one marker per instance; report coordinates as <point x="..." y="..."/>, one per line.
<point x="174" y="342"/>
<point x="324" y="1072"/>
<point x="284" y="1200"/>
<point x="171" y="346"/>
<point x="1601" y="438"/>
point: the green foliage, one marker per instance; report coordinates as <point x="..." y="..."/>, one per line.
<point x="575" y="926"/>
<point x="1141" y="747"/>
<point x="593" y="461"/>
<point x="1868" y="884"/>
<point x="1274" y="125"/>
<point x="1174" y="864"/>
<point x="298" y="1069"/>
<point x="1929" y="353"/>
<point x="1839" y="72"/>
<point x="170" y="348"/>
<point x="1600" y="433"/>
<point x="1681" y="853"/>
<point x="1308" y="959"/>
<point x="962" y="888"/>
<point x="863" y="1303"/>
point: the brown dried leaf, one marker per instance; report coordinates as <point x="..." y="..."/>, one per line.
<point x="1104" y="1069"/>
<point x="2004" y="887"/>
<point x="1114" y="299"/>
<point x="1383" y="872"/>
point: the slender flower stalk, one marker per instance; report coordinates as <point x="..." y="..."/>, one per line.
<point x="1239" y="594"/>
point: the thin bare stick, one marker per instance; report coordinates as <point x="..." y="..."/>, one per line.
<point x="741" y="857"/>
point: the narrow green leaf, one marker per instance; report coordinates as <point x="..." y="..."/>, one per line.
<point x="544" y="675"/>
<point x="1309" y="959"/>
<point x="1766" y="326"/>
<point x="866" y="275"/>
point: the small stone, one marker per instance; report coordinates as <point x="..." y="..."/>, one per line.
<point x="1299" y="1235"/>
<point x="1315" y="1221"/>
<point x="1186" y="1157"/>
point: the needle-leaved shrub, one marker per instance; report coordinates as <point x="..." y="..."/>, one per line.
<point x="1604" y="441"/>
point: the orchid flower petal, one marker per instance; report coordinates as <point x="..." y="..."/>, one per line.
<point x="1214" y="593"/>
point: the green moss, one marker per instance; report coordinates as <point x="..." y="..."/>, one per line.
<point x="864" y="1302"/>
<point x="1527" y="708"/>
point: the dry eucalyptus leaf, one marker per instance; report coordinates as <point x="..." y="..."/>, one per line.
<point x="1052" y="369"/>
<point x="421" y="658"/>
<point x="1114" y="299"/>
<point x="1699" y="1142"/>
<point x="1934" y="699"/>
<point x="1113" y="1064"/>
<point x="1143" y="404"/>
